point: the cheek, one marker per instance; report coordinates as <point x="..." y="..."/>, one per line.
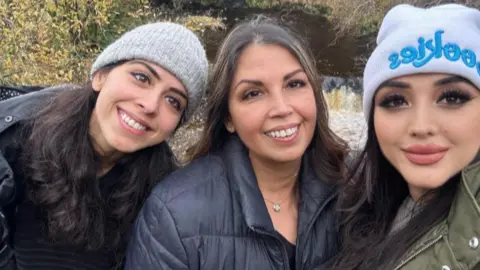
<point x="247" y="119"/>
<point x="306" y="105"/>
<point x="386" y="132"/>
<point x="168" y="121"/>
<point x="463" y="130"/>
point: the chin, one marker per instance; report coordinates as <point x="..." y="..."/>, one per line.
<point x="428" y="182"/>
<point x="287" y="157"/>
<point x="126" y="147"/>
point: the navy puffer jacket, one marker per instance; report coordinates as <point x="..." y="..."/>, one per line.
<point x="211" y="215"/>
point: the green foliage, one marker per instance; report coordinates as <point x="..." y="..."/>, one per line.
<point x="53" y="41"/>
<point x="313" y="8"/>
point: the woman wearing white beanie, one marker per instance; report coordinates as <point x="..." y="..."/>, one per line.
<point x="77" y="162"/>
<point x="412" y="201"/>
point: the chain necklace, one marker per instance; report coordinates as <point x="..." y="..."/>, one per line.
<point x="276" y="206"/>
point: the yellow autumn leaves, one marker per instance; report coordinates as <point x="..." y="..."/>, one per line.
<point x="55" y="41"/>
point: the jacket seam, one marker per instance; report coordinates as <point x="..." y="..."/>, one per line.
<point x="176" y="227"/>
<point x="205" y="181"/>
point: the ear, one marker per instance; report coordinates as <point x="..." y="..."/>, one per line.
<point x="229" y="125"/>
<point x="98" y="80"/>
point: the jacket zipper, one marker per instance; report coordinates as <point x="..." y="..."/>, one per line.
<point x="309" y="227"/>
<point x="409" y="258"/>
<point x="284" y="253"/>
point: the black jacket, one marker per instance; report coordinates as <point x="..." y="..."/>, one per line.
<point x="13" y="111"/>
<point x="211" y="215"/>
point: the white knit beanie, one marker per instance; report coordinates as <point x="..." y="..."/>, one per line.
<point x="169" y="45"/>
<point x="440" y="39"/>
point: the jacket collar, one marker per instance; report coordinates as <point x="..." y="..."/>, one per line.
<point x="463" y="221"/>
<point x="464" y="217"/>
<point x="22" y="107"/>
<point x="313" y="191"/>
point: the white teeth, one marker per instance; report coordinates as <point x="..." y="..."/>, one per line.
<point x="282" y="133"/>
<point x="132" y="123"/>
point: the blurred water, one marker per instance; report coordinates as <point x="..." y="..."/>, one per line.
<point x="343" y="94"/>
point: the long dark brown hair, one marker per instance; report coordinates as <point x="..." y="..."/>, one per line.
<point x="62" y="166"/>
<point x="368" y="204"/>
<point x="327" y="150"/>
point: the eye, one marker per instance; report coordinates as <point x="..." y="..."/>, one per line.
<point x="296" y="84"/>
<point x="454" y="97"/>
<point x="174" y="102"/>
<point x="251" y="94"/>
<point x="393" y="101"/>
<point x="141" y="77"/>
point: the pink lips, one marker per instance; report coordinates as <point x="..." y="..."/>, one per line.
<point x="425" y="154"/>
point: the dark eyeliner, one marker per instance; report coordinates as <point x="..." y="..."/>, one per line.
<point x="454" y="93"/>
<point x="387" y="101"/>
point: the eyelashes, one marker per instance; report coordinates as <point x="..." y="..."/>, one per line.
<point x="450" y="97"/>
<point x="393" y="101"/>
<point x="454" y="97"/>
<point x="141" y="77"/>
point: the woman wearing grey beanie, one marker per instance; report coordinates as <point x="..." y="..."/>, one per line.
<point x="77" y="162"/>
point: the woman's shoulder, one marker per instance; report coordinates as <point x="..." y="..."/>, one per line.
<point x="21" y="107"/>
<point x="194" y="179"/>
<point x="192" y="192"/>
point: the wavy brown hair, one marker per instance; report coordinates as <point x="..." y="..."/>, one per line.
<point x="368" y="204"/>
<point x="326" y="149"/>
<point x="61" y="167"/>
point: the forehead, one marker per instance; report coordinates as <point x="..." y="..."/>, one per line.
<point x="422" y="78"/>
<point x="266" y="58"/>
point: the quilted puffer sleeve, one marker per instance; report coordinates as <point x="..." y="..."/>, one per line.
<point x="155" y="243"/>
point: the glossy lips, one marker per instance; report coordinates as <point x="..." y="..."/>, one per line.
<point x="427" y="154"/>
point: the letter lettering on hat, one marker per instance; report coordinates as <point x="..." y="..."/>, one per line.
<point x="428" y="49"/>
<point x="469" y="58"/>
<point x="451" y="51"/>
<point x="395" y="61"/>
<point x="409" y="54"/>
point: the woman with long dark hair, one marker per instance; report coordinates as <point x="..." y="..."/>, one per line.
<point x="260" y="191"/>
<point x="77" y="162"/>
<point x="413" y="199"/>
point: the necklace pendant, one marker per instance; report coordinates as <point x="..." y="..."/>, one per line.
<point x="276" y="207"/>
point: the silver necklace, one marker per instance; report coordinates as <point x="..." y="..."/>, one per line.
<point x="276" y="206"/>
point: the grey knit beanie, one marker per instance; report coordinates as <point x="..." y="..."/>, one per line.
<point x="169" y="45"/>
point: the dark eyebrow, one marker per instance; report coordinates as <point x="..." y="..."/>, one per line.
<point x="147" y="66"/>
<point x="394" y="84"/>
<point x="289" y="75"/>
<point x="259" y="83"/>
<point x="453" y="79"/>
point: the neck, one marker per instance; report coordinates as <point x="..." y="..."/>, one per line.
<point x="108" y="155"/>
<point x="276" y="181"/>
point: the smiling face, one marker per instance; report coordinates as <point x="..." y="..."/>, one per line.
<point x="428" y="127"/>
<point x="271" y="104"/>
<point x="139" y="105"/>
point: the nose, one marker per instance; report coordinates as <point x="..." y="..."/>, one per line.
<point x="280" y="105"/>
<point x="422" y="122"/>
<point x="149" y="103"/>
